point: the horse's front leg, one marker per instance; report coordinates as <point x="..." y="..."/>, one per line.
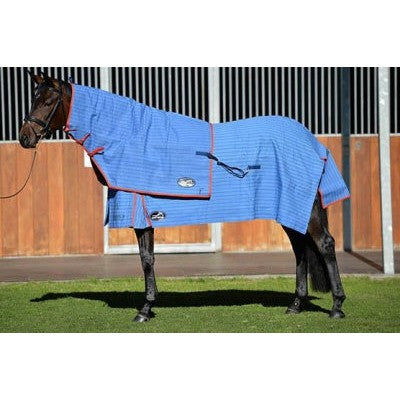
<point x="298" y="242"/>
<point x="318" y="230"/>
<point x="145" y="239"/>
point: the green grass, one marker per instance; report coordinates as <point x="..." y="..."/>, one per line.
<point x="195" y="305"/>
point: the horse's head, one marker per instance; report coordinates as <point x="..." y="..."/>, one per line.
<point x="49" y="110"/>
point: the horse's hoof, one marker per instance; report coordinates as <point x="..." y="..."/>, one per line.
<point x="336" y="314"/>
<point x="141" y="318"/>
<point x="291" y="310"/>
<point x="294" y="308"/>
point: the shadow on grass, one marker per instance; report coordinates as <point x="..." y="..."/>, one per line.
<point x="208" y="298"/>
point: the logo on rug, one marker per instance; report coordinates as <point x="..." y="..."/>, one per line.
<point x="157" y="216"/>
<point x="186" y="182"/>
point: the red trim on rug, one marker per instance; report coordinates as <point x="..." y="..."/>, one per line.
<point x="96" y="151"/>
<point x="321" y="196"/>
<point x="146" y="214"/>
<point x="67" y="124"/>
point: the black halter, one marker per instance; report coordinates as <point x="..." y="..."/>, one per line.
<point x="46" y="131"/>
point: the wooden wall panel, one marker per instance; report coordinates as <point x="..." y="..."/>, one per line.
<point x="395" y="173"/>
<point x="56" y="198"/>
<point x="25" y="203"/>
<point x="59" y="212"/>
<point x="8" y="185"/>
<point x="335" y="211"/>
<point x="365" y="193"/>
<point x="41" y="203"/>
<point x="176" y="235"/>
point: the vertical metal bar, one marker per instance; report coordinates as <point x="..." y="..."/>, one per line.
<point x="96" y="80"/>
<point x="237" y="93"/>
<point x="256" y="93"/>
<point x="169" y="88"/>
<point x="290" y="114"/>
<point x="309" y="100"/>
<point x="384" y="161"/>
<point x="362" y="108"/>
<point x="243" y="92"/>
<point x="322" y="83"/>
<point x="395" y="99"/>
<point x="336" y="107"/>
<point x="263" y="110"/>
<point x="14" y="131"/>
<point x="143" y="88"/>
<point x="163" y="85"/>
<point x="329" y="99"/>
<point x="190" y="91"/>
<point x="214" y="117"/>
<point x="303" y="96"/>
<point x="196" y="92"/>
<point x="377" y="99"/>
<point x="224" y="113"/>
<point x="230" y="85"/>
<point x="105" y="84"/>
<point x="276" y="106"/>
<point x="203" y="92"/>
<point x="269" y="91"/>
<point x="176" y="90"/>
<point x="3" y="105"/>
<point x="346" y="169"/>
<point x="316" y="105"/>
<point x="368" y="100"/>
<point x="183" y="97"/>
<point x="296" y="91"/>
<point x="124" y="93"/>
<point x="283" y="94"/>
<point x="356" y="110"/>
<point x="149" y="86"/>
<point x="9" y="103"/>
<point x="137" y="84"/>
<point x="23" y="92"/>
<point x="250" y="95"/>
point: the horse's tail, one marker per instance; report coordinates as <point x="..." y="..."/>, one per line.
<point x="317" y="269"/>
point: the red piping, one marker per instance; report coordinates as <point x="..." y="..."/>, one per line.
<point x="67" y="125"/>
<point x="145" y="211"/>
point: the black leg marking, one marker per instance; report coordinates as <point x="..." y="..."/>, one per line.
<point x="298" y="242"/>
<point x="145" y="239"/>
<point x="325" y="244"/>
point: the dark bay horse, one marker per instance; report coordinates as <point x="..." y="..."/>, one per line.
<point x="314" y="251"/>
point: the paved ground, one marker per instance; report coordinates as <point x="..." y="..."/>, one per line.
<point x="176" y="265"/>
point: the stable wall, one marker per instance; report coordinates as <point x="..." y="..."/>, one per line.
<point x="61" y="209"/>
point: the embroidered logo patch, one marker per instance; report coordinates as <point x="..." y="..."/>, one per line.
<point x="186" y="182"/>
<point x="157" y="216"/>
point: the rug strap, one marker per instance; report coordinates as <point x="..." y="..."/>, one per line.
<point x="235" y="171"/>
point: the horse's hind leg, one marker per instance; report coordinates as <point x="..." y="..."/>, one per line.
<point x="145" y="239"/>
<point x="298" y="242"/>
<point x="325" y="243"/>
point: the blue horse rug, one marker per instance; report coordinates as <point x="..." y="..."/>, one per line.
<point x="165" y="169"/>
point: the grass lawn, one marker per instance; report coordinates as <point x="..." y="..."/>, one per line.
<point x="195" y="305"/>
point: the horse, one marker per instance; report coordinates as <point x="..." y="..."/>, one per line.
<point x="314" y="249"/>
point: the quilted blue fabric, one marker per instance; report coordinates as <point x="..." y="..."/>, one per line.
<point x="139" y="148"/>
<point x="143" y="151"/>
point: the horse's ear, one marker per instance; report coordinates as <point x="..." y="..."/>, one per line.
<point x="36" y="78"/>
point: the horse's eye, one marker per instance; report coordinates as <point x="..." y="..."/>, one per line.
<point x="47" y="103"/>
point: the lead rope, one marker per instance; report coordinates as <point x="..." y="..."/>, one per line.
<point x="29" y="174"/>
<point x="34" y="156"/>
